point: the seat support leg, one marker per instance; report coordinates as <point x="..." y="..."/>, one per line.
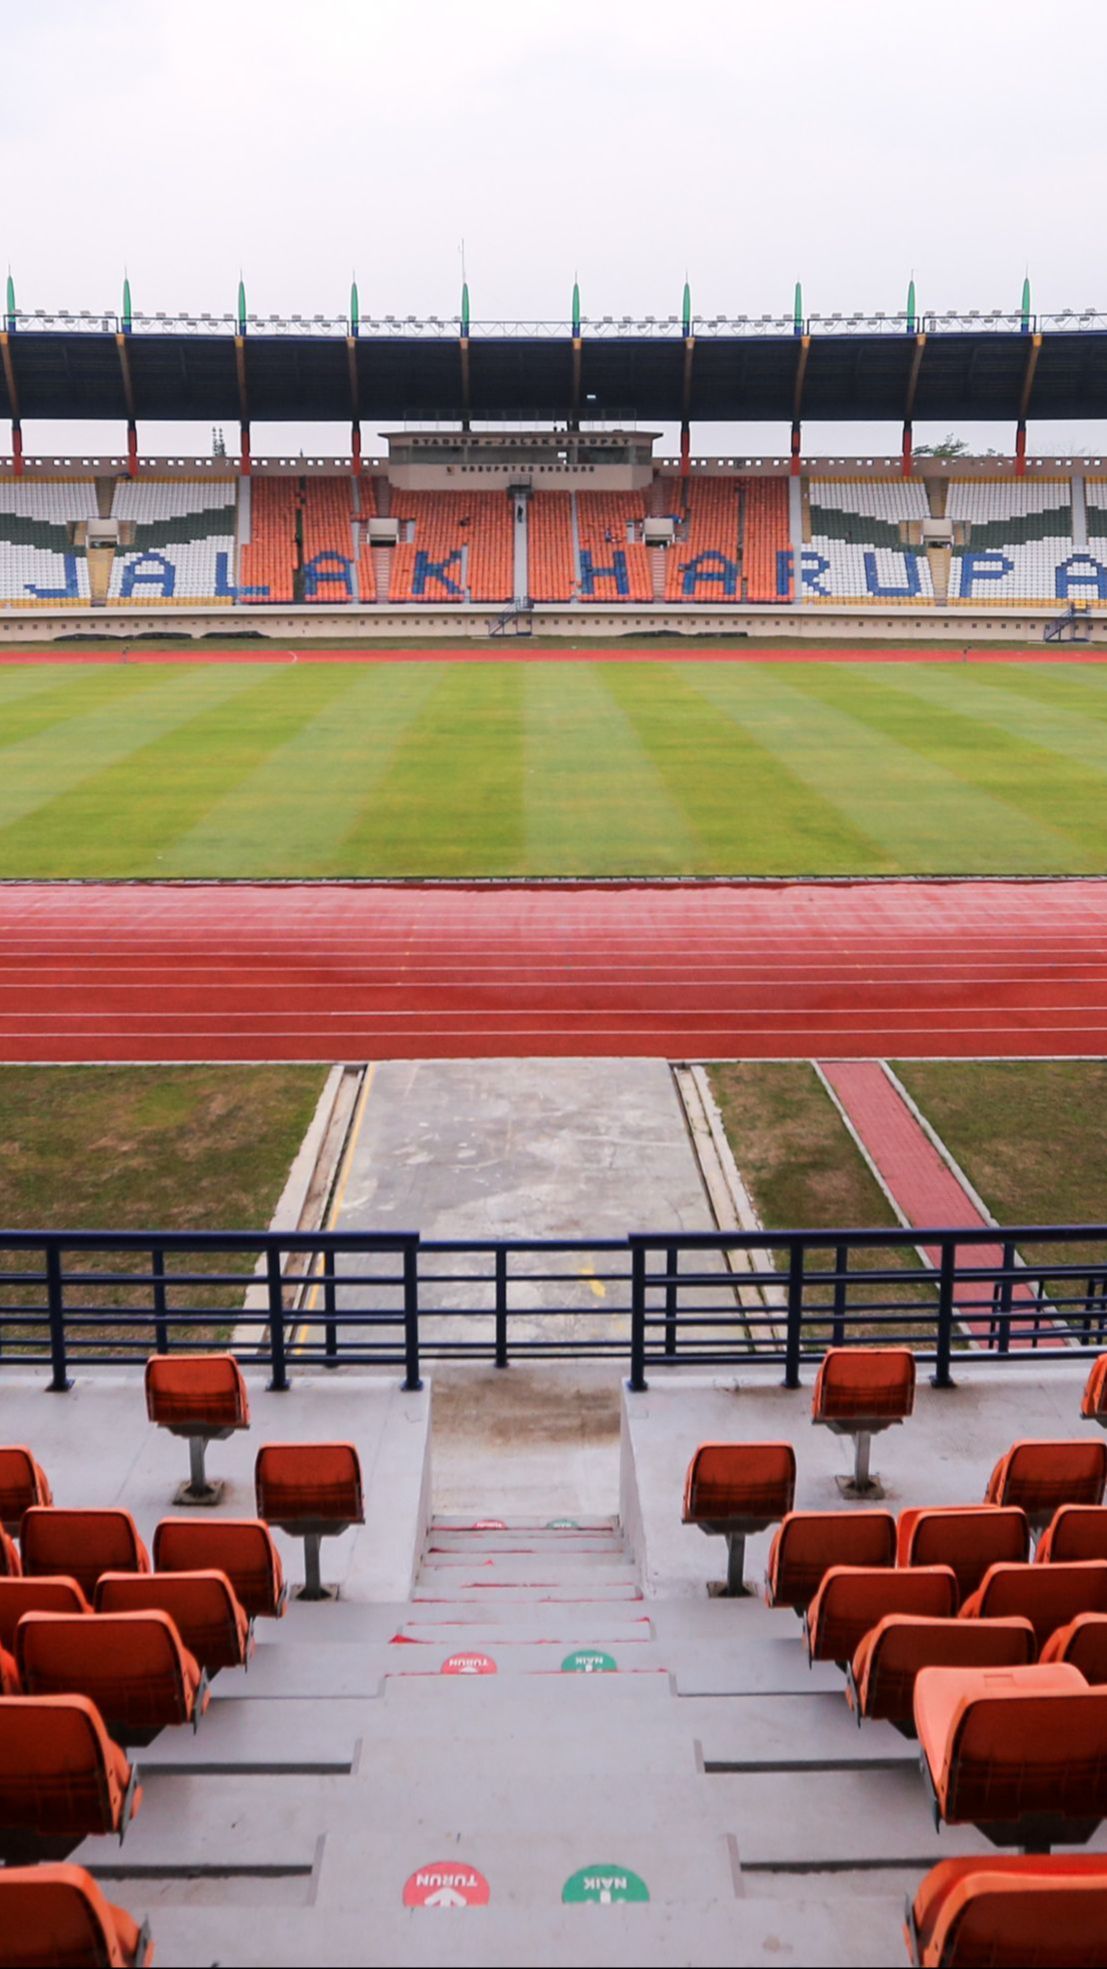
<point x="736" y="1588"/>
<point x="313" y="1576"/>
<point x="198" y="1489"/>
<point x="862" y="1446"/>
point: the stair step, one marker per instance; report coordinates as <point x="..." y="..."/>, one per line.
<point x="572" y="1594"/>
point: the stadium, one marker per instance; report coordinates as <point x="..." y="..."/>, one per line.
<point x="553" y="983"/>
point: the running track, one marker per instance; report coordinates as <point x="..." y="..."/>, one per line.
<point x="334" y="972"/>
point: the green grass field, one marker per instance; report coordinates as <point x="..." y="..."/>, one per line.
<point x="591" y="768"/>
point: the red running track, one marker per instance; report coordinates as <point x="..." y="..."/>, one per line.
<point x="334" y="971"/>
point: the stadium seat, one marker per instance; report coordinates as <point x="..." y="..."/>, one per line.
<point x="131" y="1665"/>
<point x="311" y="1491"/>
<point x="858" y="1392"/>
<point x="970" y="1538"/>
<point x="1076" y="1531"/>
<point x="1011" y="1910"/>
<point x="203" y="1398"/>
<point x="212" y="1624"/>
<point x="10" y="1684"/>
<point x="880" y="1680"/>
<point x="22" y="1483"/>
<point x="808" y="1543"/>
<point x="852" y="1599"/>
<point x="242" y="1548"/>
<point x="55" y="1594"/>
<point x="1047" y="1596"/>
<point x="57" y="1914"/>
<point x="1021" y="1753"/>
<point x="81" y="1544"/>
<point x="734" y="1489"/>
<point x="1082" y="1641"/>
<point x="1038" y="1476"/>
<point x="1093" y="1402"/>
<point x="11" y="1566"/>
<point x="61" y="1776"/>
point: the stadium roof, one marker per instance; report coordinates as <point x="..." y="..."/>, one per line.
<point x="944" y="368"/>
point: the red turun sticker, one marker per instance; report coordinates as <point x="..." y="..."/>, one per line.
<point x="446" y="1884"/>
<point x="490" y="1524"/>
<point x="468" y="1665"/>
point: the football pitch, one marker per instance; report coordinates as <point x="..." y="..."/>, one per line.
<point x="549" y="768"/>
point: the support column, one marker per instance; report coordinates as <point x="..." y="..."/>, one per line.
<point x="908" y="434"/>
<point x="797" y="447"/>
<point x="132" y="448"/>
<point x="244" y="448"/>
<point x="17" y="448"/>
<point x="685" y="450"/>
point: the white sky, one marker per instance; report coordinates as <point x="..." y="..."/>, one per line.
<point x="847" y="145"/>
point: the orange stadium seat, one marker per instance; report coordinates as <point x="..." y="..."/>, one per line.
<point x="550" y="576"/>
<point x="1093" y="1402"/>
<point x="1047" y="1596"/>
<point x="22" y="1483"/>
<point x="203" y="1398"/>
<point x="732" y="1490"/>
<point x="131" y="1665"/>
<point x="11" y="1565"/>
<point x="61" y="1776"/>
<point x="704" y="565"/>
<point x="614" y="562"/>
<point x="330" y="568"/>
<point x="463" y="547"/>
<point x="311" y="1491"/>
<point x="765" y="538"/>
<point x="1083" y="1642"/>
<point x="810" y="1542"/>
<point x="57" y="1915"/>
<point x="1021" y="1753"/>
<point x="10" y="1684"/>
<point x="968" y="1537"/>
<point x="269" y="559"/>
<point x="852" y="1599"/>
<point x="204" y="1607"/>
<point x="1011" y="1911"/>
<point x="1038" y="1476"/>
<point x="58" y="1594"/>
<point x="880" y="1680"/>
<point x="1076" y="1531"/>
<point x="81" y="1544"/>
<point x="858" y="1392"/>
<point x="242" y="1548"/>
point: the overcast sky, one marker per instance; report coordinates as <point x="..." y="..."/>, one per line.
<point x="847" y="145"/>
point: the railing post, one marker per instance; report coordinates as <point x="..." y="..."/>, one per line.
<point x="412" y="1383"/>
<point x="161" y="1324"/>
<point x="279" y="1371"/>
<point x="795" y="1316"/>
<point x="841" y="1265"/>
<point x="637" y="1383"/>
<point x="55" y="1301"/>
<point x="1006" y="1292"/>
<point x="672" y="1260"/>
<point x="330" y="1311"/>
<point x="941" y="1377"/>
<point x="501" y="1305"/>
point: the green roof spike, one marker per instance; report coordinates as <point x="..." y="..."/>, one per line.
<point x="241" y="305"/>
<point x="465" y="307"/>
<point x="11" y="300"/>
<point x="576" y="310"/>
<point x="1026" y="305"/>
<point x="355" y="309"/>
<point x="126" y="305"/>
<point x="912" y="311"/>
<point x="686" y="310"/>
<point x="797" y="310"/>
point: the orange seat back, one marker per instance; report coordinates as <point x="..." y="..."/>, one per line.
<point x="1083" y="1642"/>
<point x="1076" y="1531"/>
<point x="38" y="1595"/>
<point x="751" y="1481"/>
<point x="851" y="1599"/>
<point x="1004" y="1745"/>
<point x="242" y="1548"/>
<point x="131" y="1665"/>
<point x="1038" y="1476"/>
<point x="859" y="1384"/>
<point x="1001" y="1911"/>
<point x="61" y="1776"/>
<point x="299" y="1483"/>
<point x="82" y="1544"/>
<point x="22" y="1483"/>
<point x="57" y="1914"/>
<point x="1093" y="1402"/>
<point x="970" y="1538"/>
<point x="890" y="1655"/>
<point x="197" y="1392"/>
<point x="203" y="1606"/>
<point x="1046" y="1596"/>
<point x="11" y="1566"/>
<point x="10" y="1684"/>
<point x="808" y="1543"/>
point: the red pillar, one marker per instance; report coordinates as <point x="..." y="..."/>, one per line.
<point x="797" y="446"/>
<point x="17" y="448"/>
<point x="685" y="450"/>
<point x="132" y="448"/>
<point x="244" y="449"/>
<point x="1020" y="449"/>
<point x="907" y="444"/>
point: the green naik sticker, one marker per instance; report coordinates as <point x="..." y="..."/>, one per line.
<point x="563" y="1524"/>
<point x="588" y="1661"/>
<point x="605" y="1884"/>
